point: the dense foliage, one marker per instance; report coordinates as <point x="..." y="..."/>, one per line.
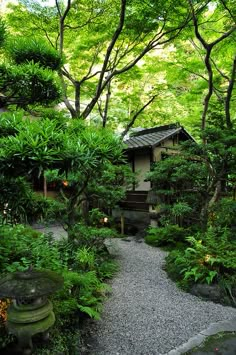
<point x="67" y="155"/>
<point x="85" y="165"/>
<point x="209" y="258"/>
<point x="196" y="190"/>
<point x="29" y="68"/>
<point x="190" y="182"/>
<point x="84" y="269"/>
<point x="149" y="63"/>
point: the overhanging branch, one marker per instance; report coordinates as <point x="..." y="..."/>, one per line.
<point x="135" y="116"/>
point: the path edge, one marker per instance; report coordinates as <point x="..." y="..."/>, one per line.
<point x="213" y="329"/>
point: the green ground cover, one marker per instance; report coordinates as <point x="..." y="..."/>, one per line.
<point x="220" y="344"/>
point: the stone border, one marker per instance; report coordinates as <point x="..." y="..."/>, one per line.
<point x="213" y="329"/>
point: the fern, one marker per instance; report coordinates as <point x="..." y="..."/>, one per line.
<point x="212" y="274"/>
<point x="90" y="311"/>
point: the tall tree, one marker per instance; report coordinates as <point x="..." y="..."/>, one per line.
<point x="208" y="46"/>
<point x="100" y="41"/>
<point x="114" y="68"/>
<point x="203" y="66"/>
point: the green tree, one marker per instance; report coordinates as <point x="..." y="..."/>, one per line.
<point x="201" y="74"/>
<point x="150" y="58"/>
<point x="86" y="158"/>
<point x="94" y="62"/>
<point x="180" y="182"/>
<point x="193" y="182"/>
<point x="27" y="73"/>
<point x="2" y="32"/>
<point x="208" y="46"/>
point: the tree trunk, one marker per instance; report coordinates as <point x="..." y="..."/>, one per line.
<point x="84" y="207"/>
<point x="229" y="95"/>
<point x="204" y="215"/>
<point x="105" y="113"/>
<point x="217" y="194"/>
<point x="45" y="186"/>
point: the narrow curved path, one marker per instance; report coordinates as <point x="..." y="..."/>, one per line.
<point x="146" y="313"/>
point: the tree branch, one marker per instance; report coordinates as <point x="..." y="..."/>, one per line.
<point x="135" y="116"/>
<point x="88" y="76"/>
<point x="229" y="11"/>
<point x="65" y="98"/>
<point x="219" y="71"/>
<point x="216" y="91"/>
<point x="105" y="113"/>
<point x="229" y="94"/>
<point x="149" y="46"/>
<point x="225" y="35"/>
<point x="116" y="35"/>
<point x="62" y="20"/>
<point x="208" y="47"/>
<point x="58" y="8"/>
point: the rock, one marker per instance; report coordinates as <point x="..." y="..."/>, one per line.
<point x="210" y="292"/>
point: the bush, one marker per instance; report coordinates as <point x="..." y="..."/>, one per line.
<point x="223" y="214"/>
<point x="15" y="246"/>
<point x="65" y="342"/>
<point x="166" y="236"/>
<point x="83" y="292"/>
<point x="24" y="50"/>
<point x="20" y="204"/>
<point x="96" y="217"/>
<point x="83" y="267"/>
<point x="209" y="260"/>
<point x="5" y="338"/>
<point x="37" y="84"/>
<point x="92" y="237"/>
<point x="107" y="269"/>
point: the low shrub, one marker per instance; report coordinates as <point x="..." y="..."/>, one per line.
<point x="222" y="215"/>
<point x="65" y="342"/>
<point x="166" y="236"/>
<point x="210" y="259"/>
<point x="20" y="204"/>
<point x="107" y="269"/>
<point x="92" y="237"/>
<point x="14" y="247"/>
<point x="83" y="292"/>
<point x="96" y="217"/>
<point x="83" y="265"/>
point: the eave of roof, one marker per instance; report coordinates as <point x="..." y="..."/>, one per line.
<point x="152" y="139"/>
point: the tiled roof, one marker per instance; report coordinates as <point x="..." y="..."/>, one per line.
<point x="151" y="137"/>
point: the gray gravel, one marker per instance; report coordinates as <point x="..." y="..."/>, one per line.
<point x="57" y="231"/>
<point x="146" y="313"/>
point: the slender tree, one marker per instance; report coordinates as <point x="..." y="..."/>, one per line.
<point x="208" y="47"/>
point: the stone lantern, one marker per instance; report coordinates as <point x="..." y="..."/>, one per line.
<point x="155" y="209"/>
<point x="30" y="312"/>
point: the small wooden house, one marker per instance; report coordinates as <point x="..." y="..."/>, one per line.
<point x="143" y="149"/>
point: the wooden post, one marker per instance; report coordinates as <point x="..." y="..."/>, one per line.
<point x="44" y="186"/>
<point x="122" y="223"/>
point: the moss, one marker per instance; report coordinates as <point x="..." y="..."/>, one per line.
<point x="221" y="343"/>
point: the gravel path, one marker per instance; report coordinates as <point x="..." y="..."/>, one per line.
<point x="146" y="314"/>
<point x="57" y="230"/>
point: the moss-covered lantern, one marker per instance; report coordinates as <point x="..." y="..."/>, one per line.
<point x="30" y="312"/>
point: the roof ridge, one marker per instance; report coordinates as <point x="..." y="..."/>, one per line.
<point x="155" y="129"/>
